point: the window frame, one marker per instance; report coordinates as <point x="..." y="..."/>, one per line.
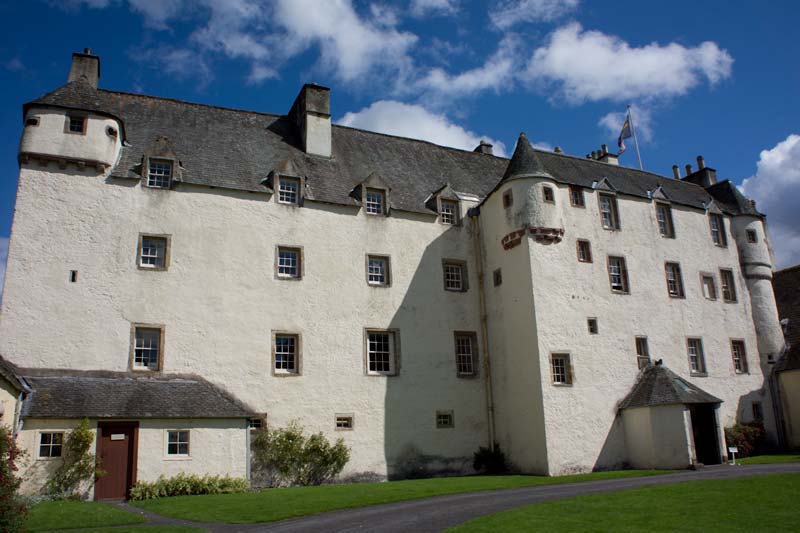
<point x="76" y="116"/>
<point x="344" y="416"/>
<point x="569" y="378"/>
<point x="702" y="369"/>
<point x="709" y="275"/>
<point x="262" y="422"/>
<point x="588" y="244"/>
<point x="132" y="357"/>
<point x="442" y="417"/>
<point x="732" y="298"/>
<point x="298" y="192"/>
<point x="613" y="213"/>
<point x="50" y="445"/>
<point x="497" y="277"/>
<point x="300" y="259"/>
<point x="387" y="275"/>
<point x="140" y="248"/>
<point x="456" y="214"/>
<point x="752" y="236"/>
<point x="576" y="192"/>
<point x="394" y="352"/>
<point x="548" y="194"/>
<point x="462" y="267"/>
<point x="474" y="355"/>
<point x="383" y="199"/>
<point x="508" y="198"/>
<point x="298" y="353"/>
<point x="642" y="356"/>
<point x="188" y="442"/>
<point x="722" y="240"/>
<point x="667" y="232"/>
<point x="626" y="288"/>
<point x="743" y="367"/>
<point x="159" y="161"/>
<point x="590" y="322"/>
<point x="757" y="411"/>
<point x="673" y="267"/>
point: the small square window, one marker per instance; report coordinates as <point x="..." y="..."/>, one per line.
<point x="497" y="277"/>
<point x="576" y="196"/>
<point x="51" y="444"/>
<point x="584" y="251"/>
<point x="562" y="371"/>
<point x="674" y="280"/>
<point x="159" y="174"/>
<point x="697" y="360"/>
<point x="752" y="236"/>
<point x="466" y="351"/>
<point x="709" y="286"/>
<point x="664" y="217"/>
<point x="33" y="121"/>
<point x="728" y="285"/>
<point x="344" y="422"/>
<point x="375" y="202"/>
<point x="289" y="263"/>
<point x="717" y="226"/>
<point x="455" y="275"/>
<point x="444" y="420"/>
<point x="153" y="252"/>
<point x="591" y="324"/>
<point x="548" y="194"/>
<point x="286" y="353"/>
<point x="256" y="423"/>
<point x="288" y="190"/>
<point x="609" y="214"/>
<point x="381" y="352"/>
<point x="642" y="352"/>
<point x="76" y="124"/>
<point x="448" y="213"/>
<point x="508" y="198"/>
<point x="147" y="348"/>
<point x="178" y="443"/>
<point x="739" y="357"/>
<point x="618" y="274"/>
<point x="378" y="270"/>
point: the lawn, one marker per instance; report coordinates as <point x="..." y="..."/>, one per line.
<point x="769" y="459"/>
<point x="74" y="514"/>
<point x="278" y="504"/>
<point x="149" y="529"/>
<point x="762" y="503"/>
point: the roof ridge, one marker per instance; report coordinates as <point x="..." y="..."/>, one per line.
<point x="199" y="104"/>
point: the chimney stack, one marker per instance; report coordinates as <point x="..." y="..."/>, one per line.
<point x="688" y="169"/>
<point x="484" y="148"/>
<point x="311" y="114"/>
<point x="701" y="164"/>
<point x="676" y="172"/>
<point x="558" y="150"/>
<point x="704" y="176"/>
<point x="606" y="157"/>
<point x="604" y="149"/>
<point x="85" y="66"/>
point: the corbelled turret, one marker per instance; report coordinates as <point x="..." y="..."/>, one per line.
<point x="525" y="163"/>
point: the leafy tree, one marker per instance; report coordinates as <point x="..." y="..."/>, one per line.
<point x="12" y="507"/>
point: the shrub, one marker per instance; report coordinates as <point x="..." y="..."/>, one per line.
<point x="186" y="485"/>
<point x="78" y="466"/>
<point x="748" y="438"/>
<point x="489" y="461"/>
<point x="288" y="457"/>
<point x="12" y="507"/>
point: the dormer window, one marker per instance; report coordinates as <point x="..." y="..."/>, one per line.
<point x="76" y="124"/>
<point x="448" y="212"/>
<point x="159" y="174"/>
<point x="288" y="190"/>
<point x="375" y="202"/>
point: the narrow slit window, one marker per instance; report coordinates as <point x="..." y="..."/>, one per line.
<point x="739" y="357"/>
<point x="508" y="199"/>
<point x="497" y="277"/>
<point x="674" y="280"/>
<point x="642" y="352"/>
<point x="752" y="236"/>
<point x="591" y="324"/>
<point x="728" y="285"/>
<point x="697" y="361"/>
<point x="664" y="217"/>
<point x="717" y="226"/>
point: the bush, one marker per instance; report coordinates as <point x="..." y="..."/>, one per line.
<point x="748" y="438"/>
<point x="12" y="507"/>
<point x="187" y="485"/>
<point x="78" y="466"/>
<point x="288" y="457"/>
<point x="490" y="462"/>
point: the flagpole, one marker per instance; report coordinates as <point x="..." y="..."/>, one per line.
<point x="635" y="140"/>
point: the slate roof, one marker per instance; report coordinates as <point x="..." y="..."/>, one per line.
<point x="658" y="385"/>
<point x="94" y="394"/>
<point x="786" y="284"/>
<point x="524" y="162"/>
<point x="9" y="371"/>
<point x="236" y="149"/>
<point x="730" y="199"/>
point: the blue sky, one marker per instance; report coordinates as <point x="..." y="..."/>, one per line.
<point x="720" y="79"/>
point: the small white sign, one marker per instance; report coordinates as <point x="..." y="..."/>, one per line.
<point x="733" y="449"/>
<point x="118" y="436"/>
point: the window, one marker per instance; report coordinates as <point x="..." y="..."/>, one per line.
<point x="728" y="287"/>
<point x="153" y="252"/>
<point x="381" y="353"/>
<point x="758" y="412"/>
<point x="664" y="217"/>
<point x="344" y="422"/>
<point x="591" y="323"/>
<point x="255" y="424"/>
<point x="752" y="236"/>
<point x="73" y="276"/>
<point x="288" y="190"/>
<point x="289" y="264"/>
<point x="508" y="198"/>
<point x="286" y="354"/>
<point x="548" y="194"/>
<point x="697" y="361"/>
<point x="455" y="275"/>
<point x="562" y="373"/>
<point x="378" y="270"/>
<point x="159" y="174"/>
<point x="609" y="215"/>
<point x="466" y="349"/>
<point x="33" y="121"/>
<point x="76" y="124"/>
<point x="709" y="286"/>
<point x="576" y="196"/>
<point x="717" y="224"/>
<point x="444" y="419"/>
<point x="642" y="352"/>
<point x="448" y="213"/>
<point x="739" y="356"/>
<point x="674" y="280"/>
<point x="178" y="443"/>
<point x="147" y="348"/>
<point x="584" y="251"/>
<point x="618" y="274"/>
<point x="497" y="277"/>
<point x="376" y="201"/>
<point x="50" y="444"/>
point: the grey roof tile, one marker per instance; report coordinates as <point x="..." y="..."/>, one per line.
<point x="9" y="371"/>
<point x="658" y="385"/>
<point x="786" y="284"/>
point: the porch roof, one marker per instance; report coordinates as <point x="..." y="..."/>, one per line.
<point x="658" y="385"/>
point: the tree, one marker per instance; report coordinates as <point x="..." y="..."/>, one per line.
<point x="12" y="508"/>
<point x="78" y="465"/>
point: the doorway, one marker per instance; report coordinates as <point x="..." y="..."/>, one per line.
<point x="706" y="433"/>
<point x="117" y="443"/>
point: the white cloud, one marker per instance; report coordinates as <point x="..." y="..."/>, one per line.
<point x="421" y="8"/>
<point x="407" y="120"/>
<point x="3" y="257"/>
<point x="506" y="13"/>
<point x="776" y="187"/>
<point x="583" y="66"/>
<point x="642" y="122"/>
<point x="156" y="12"/>
<point x="182" y="63"/>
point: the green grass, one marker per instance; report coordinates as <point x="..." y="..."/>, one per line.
<point x="148" y="529"/>
<point x="763" y="503"/>
<point x="278" y="504"/>
<point x="769" y="459"/>
<point x="74" y="514"/>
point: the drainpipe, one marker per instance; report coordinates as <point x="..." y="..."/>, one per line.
<point x="487" y="368"/>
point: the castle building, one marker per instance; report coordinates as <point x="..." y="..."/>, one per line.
<point x="179" y="273"/>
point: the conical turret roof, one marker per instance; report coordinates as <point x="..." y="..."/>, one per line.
<point x="525" y="162"/>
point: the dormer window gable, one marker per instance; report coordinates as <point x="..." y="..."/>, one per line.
<point x="446" y="203"/>
<point x="603" y="184"/>
<point x="287" y="184"/>
<point x="658" y="194"/>
<point x="161" y="168"/>
<point x="374" y="195"/>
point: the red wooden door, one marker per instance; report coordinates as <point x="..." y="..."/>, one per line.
<point x="116" y="449"/>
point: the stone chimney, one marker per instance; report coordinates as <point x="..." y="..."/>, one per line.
<point x="608" y="157"/>
<point x="85" y="66"/>
<point x="311" y="115"/>
<point x="703" y="176"/>
<point x="484" y="148"/>
<point x="676" y="172"/>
